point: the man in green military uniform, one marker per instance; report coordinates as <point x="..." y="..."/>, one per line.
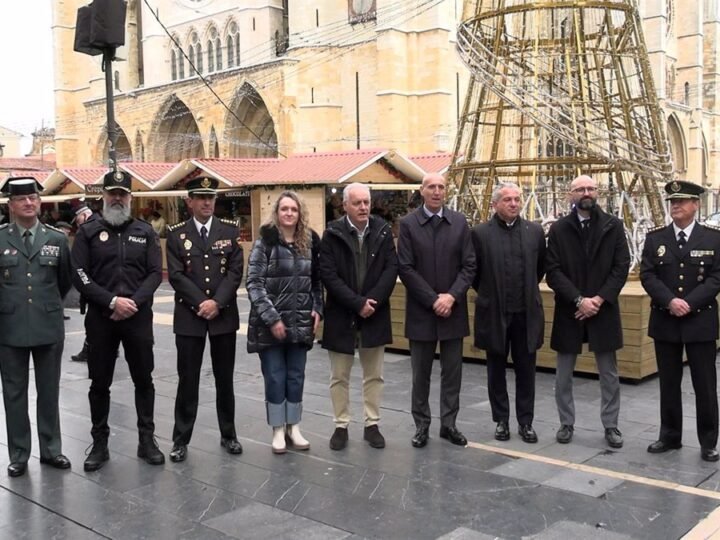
<point x="34" y="277"/>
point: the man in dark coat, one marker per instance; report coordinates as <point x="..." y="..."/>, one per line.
<point x="437" y="265"/>
<point x="680" y="270"/>
<point x="34" y="276"/>
<point x="205" y="267"/>
<point x="358" y="266"/>
<point x="510" y="257"/>
<point x="587" y="265"/>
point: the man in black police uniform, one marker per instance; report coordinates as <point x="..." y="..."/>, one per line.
<point x="680" y="271"/>
<point x="205" y="266"/>
<point x="34" y="276"/>
<point x="118" y="267"/>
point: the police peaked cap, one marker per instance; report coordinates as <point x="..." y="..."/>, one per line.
<point x="679" y="189"/>
<point x="21" y="185"/>
<point x="117" y="180"/>
<point x="202" y="185"/>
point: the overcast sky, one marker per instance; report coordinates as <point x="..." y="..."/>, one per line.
<point x="26" y="78"/>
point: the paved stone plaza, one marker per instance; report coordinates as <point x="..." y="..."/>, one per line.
<point x="488" y="490"/>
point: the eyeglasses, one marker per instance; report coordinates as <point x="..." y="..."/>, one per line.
<point x="30" y="198"/>
<point x="588" y="189"/>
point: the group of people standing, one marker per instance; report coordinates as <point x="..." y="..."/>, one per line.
<point x="116" y="264"/>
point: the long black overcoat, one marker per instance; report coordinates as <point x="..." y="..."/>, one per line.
<point x="572" y="273"/>
<point x="434" y="260"/>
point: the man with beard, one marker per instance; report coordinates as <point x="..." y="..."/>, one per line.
<point x="117" y="268"/>
<point x="587" y="264"/>
<point x="205" y="267"/>
<point x="680" y="271"/>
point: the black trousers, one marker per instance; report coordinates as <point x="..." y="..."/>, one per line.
<point x="422" y="354"/>
<point x="189" y="361"/>
<point x="14" y="369"/>
<point x="701" y="358"/>
<point x="524" y="365"/>
<point x="104" y="337"/>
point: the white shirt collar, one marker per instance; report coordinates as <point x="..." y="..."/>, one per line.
<point x="352" y="226"/>
<point x="429" y="214"/>
<point x="207" y="225"/>
<point x="687" y="230"/>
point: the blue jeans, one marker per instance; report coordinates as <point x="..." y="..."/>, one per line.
<point x="283" y="368"/>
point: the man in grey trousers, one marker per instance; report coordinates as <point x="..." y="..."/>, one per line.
<point x="587" y="264"/>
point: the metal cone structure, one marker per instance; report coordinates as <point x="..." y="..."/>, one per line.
<point x="558" y="89"/>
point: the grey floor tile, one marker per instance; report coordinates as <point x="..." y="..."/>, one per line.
<point x="586" y="483"/>
<point x="259" y="521"/>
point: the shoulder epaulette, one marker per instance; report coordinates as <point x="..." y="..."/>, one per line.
<point x="656" y="229"/>
<point x="232" y="222"/>
<point x="52" y="228"/>
<point x="175" y="226"/>
<point x="711" y="227"/>
<point x="3" y="226"/>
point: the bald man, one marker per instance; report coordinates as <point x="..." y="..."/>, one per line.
<point x="587" y="265"/>
<point x="437" y="266"/>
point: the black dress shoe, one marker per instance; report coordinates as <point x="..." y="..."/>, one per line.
<point x="502" y="431"/>
<point x="613" y="437"/>
<point x="339" y="438"/>
<point x="564" y="434"/>
<point x="16" y="469"/>
<point x="527" y="433"/>
<point x="452" y="434"/>
<point x="658" y="447"/>
<point x="232" y="446"/>
<point x="421" y="437"/>
<point x="178" y="453"/>
<point x="709" y="454"/>
<point x="59" y="462"/>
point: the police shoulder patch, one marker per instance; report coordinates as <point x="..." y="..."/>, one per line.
<point x="711" y="227"/>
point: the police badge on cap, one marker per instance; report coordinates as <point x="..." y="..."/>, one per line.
<point x="202" y="185"/>
<point x="117" y="180"/>
<point x="21" y="185"/>
<point x="679" y="189"/>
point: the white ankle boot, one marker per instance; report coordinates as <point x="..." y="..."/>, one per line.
<point x="295" y="437"/>
<point x="278" y="442"/>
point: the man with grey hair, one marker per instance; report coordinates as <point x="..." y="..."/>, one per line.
<point x="510" y="255"/>
<point x="587" y="264"/>
<point x="358" y="266"/>
<point x="117" y="266"/>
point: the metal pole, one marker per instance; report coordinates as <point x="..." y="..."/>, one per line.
<point x="108" y="55"/>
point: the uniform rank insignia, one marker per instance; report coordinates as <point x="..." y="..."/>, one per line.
<point x="104" y="236"/>
<point x="661" y="251"/>
<point x="187" y="244"/>
<point x="6" y="252"/>
<point x="702" y="252"/>
<point x="220" y="244"/>
<point x="50" y="251"/>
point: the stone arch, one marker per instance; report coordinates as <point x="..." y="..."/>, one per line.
<point x="250" y="132"/>
<point x="176" y="135"/>
<point x="123" y="150"/>
<point x="678" y="148"/>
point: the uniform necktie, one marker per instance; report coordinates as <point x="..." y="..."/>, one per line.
<point x="681" y="239"/>
<point x="203" y="235"/>
<point x="27" y="235"/>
